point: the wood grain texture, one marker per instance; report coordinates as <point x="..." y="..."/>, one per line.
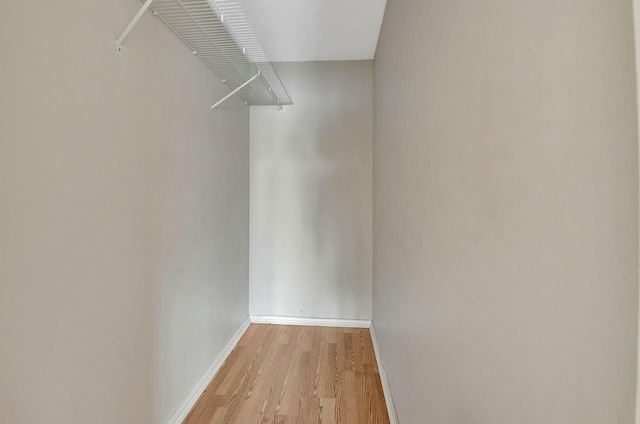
<point x="295" y="375"/>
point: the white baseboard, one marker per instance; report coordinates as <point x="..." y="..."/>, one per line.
<point x="316" y="322"/>
<point x="184" y="409"/>
<point x="393" y="416"/>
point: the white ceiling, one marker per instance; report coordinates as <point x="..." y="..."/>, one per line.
<point x="306" y="30"/>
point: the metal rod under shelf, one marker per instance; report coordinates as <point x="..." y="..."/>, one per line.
<point x="133" y="23"/>
<point x="236" y="90"/>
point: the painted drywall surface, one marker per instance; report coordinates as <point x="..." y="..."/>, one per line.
<point x="636" y="18"/>
<point x="506" y="210"/>
<point x="310" y="249"/>
<point x="123" y="216"/>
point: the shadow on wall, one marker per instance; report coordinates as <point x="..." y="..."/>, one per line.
<point x="203" y="251"/>
<point x="311" y="214"/>
<point x="308" y="212"/>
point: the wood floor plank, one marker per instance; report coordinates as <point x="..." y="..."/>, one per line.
<point x="330" y="373"/>
<point x="379" y="412"/>
<point x="358" y="349"/>
<point x="249" y="334"/>
<point x="218" y="417"/>
<point x="249" y="404"/>
<point x="205" y="408"/>
<point x="235" y="373"/>
<point x="314" y="411"/>
<point x="301" y="412"/>
<point x="342" y="358"/>
<point x="226" y="367"/>
<point x="310" y="382"/>
<point x="291" y="387"/>
<point x="346" y="399"/>
<point x="319" y="353"/>
<point x="369" y="354"/>
<point x="307" y="338"/>
<point x="270" y="388"/>
<point x="332" y="334"/>
<point x="328" y="410"/>
<point x="362" y="399"/>
<point x="348" y="344"/>
<point x="295" y="375"/>
<point x="280" y="382"/>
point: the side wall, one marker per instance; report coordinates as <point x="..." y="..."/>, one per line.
<point x="506" y="210"/>
<point x="636" y="27"/>
<point x="123" y="215"/>
<point x="311" y="176"/>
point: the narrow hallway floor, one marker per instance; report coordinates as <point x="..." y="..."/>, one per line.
<point x="295" y="375"/>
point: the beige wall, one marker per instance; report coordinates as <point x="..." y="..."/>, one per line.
<point x="123" y="216"/>
<point x="506" y="210"/>
<point x="636" y="18"/>
<point x="311" y="191"/>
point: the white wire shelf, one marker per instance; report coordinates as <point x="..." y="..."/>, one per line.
<point x="219" y="34"/>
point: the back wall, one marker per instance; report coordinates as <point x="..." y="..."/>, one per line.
<point x="311" y="188"/>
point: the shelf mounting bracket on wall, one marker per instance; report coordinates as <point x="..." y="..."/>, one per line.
<point x="218" y="33"/>
<point x="133" y="23"/>
<point x="249" y="81"/>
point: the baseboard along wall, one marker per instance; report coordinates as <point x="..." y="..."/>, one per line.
<point x="316" y="322"/>
<point x="183" y="410"/>
<point x="386" y="389"/>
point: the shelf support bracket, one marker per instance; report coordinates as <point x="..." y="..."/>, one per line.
<point x="249" y="81"/>
<point x="133" y="23"/>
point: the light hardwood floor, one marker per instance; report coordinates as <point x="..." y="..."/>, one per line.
<point x="282" y="374"/>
